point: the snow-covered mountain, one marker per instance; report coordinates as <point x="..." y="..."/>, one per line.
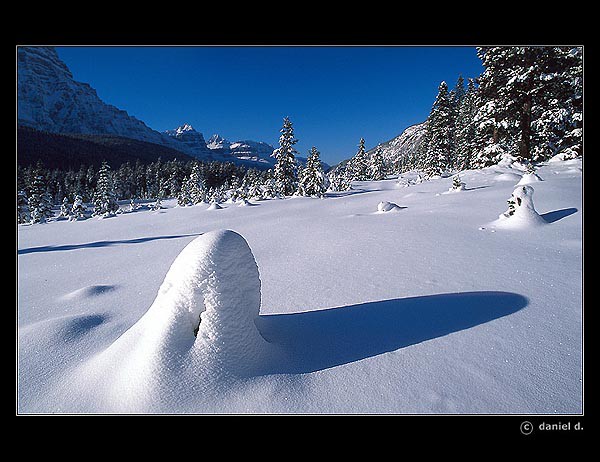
<point x="49" y="99"/>
<point x="192" y="140"/>
<point x="404" y="144"/>
<point x="251" y="153"/>
<point x="393" y="150"/>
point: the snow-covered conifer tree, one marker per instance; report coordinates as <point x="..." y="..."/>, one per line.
<point x="65" y="208"/>
<point x="376" y="166"/>
<point x="195" y="185"/>
<point x="312" y="181"/>
<point x="105" y="202"/>
<point x="183" y="198"/>
<point x="358" y="167"/>
<point x="465" y="129"/>
<point x="39" y="201"/>
<point x="438" y="142"/>
<point x="23" y="215"/>
<point x="285" y="170"/>
<point x="78" y="210"/>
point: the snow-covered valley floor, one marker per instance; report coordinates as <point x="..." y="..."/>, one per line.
<point x="433" y="306"/>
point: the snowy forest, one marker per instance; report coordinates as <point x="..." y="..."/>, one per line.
<point x="528" y="103"/>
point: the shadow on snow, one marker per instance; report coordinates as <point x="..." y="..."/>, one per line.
<point x="556" y="215"/>
<point x="96" y="244"/>
<point x="317" y="340"/>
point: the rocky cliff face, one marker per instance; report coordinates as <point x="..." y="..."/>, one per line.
<point x="49" y="99"/>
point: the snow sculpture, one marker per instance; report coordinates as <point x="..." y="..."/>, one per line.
<point x="521" y="212"/>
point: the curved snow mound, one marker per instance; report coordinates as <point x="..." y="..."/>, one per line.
<point x="508" y="176"/>
<point x="385" y="206"/>
<point x="88" y="291"/>
<point x="214" y="206"/>
<point x="200" y="328"/>
<point x="521" y="212"/>
<point x="529" y="178"/>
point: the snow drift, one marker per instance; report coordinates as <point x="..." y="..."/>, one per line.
<point x="200" y="327"/>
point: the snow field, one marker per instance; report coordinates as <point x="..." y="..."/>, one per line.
<point x="417" y="312"/>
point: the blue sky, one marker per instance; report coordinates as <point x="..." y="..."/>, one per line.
<point x="334" y="95"/>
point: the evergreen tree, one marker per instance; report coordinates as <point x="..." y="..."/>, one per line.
<point x="459" y="92"/>
<point x="376" y="166"/>
<point x="358" y="167"/>
<point x="39" y="201"/>
<point x="438" y="142"/>
<point x="105" y="203"/>
<point x="196" y="186"/>
<point x="23" y="215"/>
<point x="312" y="181"/>
<point x="530" y="100"/>
<point x="285" y="170"/>
<point x="183" y="198"/>
<point x="64" y="208"/>
<point x="160" y="195"/>
<point x="78" y="210"/>
<point x="465" y="129"/>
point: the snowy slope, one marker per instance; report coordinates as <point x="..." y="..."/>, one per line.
<point x="428" y="307"/>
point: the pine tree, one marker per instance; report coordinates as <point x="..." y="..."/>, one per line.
<point x="23" y="215"/>
<point x="358" y="166"/>
<point x="78" y="210"/>
<point x="438" y="142"/>
<point x="39" y="201"/>
<point x="465" y="129"/>
<point x="183" y="198"/>
<point x="376" y="166"/>
<point x="160" y="195"/>
<point x="105" y="203"/>
<point x="196" y="186"/>
<point x="530" y="99"/>
<point x="64" y="208"/>
<point x="285" y="170"/>
<point x="312" y="181"/>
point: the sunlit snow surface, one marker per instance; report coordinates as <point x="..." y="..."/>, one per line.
<point x="435" y="309"/>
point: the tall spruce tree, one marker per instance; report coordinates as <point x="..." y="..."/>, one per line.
<point x="105" y="202"/>
<point x="285" y="170"/>
<point x="39" y="200"/>
<point x="358" y="166"/>
<point x="465" y="129"/>
<point x="312" y="181"/>
<point x="438" y="145"/>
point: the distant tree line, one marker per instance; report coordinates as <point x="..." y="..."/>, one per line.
<point x="91" y="191"/>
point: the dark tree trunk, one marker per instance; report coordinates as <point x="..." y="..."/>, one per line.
<point x="525" y="128"/>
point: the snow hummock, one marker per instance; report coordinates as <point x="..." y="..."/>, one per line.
<point x="529" y="178"/>
<point x="214" y="206"/>
<point x="385" y="206"/>
<point x="524" y="214"/>
<point x="201" y="326"/>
